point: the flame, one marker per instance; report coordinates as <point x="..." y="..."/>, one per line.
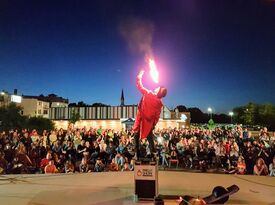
<point x="153" y="70"/>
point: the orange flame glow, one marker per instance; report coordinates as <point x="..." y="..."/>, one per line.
<point x="153" y="70"/>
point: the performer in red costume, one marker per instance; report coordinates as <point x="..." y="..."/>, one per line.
<point x="148" y="114"/>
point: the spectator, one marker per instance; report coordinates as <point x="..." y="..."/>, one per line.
<point x="60" y="135"/>
<point x="99" y="166"/>
<point x="52" y="137"/>
<point x="241" y="166"/>
<point x="196" y="148"/>
<point x="81" y="149"/>
<point x="50" y="168"/>
<point x="234" y="152"/>
<point x="260" y="168"/>
<point x="125" y="167"/>
<point x="60" y="163"/>
<point x="44" y="138"/>
<point x="3" y="164"/>
<point x="94" y="153"/>
<point x="272" y="167"/>
<point x="113" y="165"/>
<point x="180" y="146"/>
<point x="26" y="140"/>
<point x="164" y="154"/>
<point x="69" y="167"/>
<point x="119" y="158"/>
<point x="132" y="165"/>
<point x="21" y="154"/>
<point x="70" y="151"/>
<point x="34" y="136"/>
<point x="83" y="167"/>
<point x="77" y="139"/>
<point x="45" y="161"/>
<point x="57" y="148"/>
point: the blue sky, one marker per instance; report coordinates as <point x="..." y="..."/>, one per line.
<point x="210" y="53"/>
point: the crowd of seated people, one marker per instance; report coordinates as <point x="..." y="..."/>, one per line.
<point x="85" y="150"/>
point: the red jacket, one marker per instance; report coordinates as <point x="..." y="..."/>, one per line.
<point x="149" y="110"/>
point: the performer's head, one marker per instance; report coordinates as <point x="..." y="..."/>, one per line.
<point x="161" y="92"/>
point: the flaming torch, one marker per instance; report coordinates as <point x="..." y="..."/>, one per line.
<point x="153" y="70"/>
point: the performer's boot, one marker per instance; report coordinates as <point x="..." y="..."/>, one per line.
<point x="153" y="152"/>
<point x="137" y="150"/>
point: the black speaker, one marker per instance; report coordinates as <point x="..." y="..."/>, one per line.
<point x="146" y="181"/>
<point x="145" y="189"/>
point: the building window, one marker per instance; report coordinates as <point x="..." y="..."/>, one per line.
<point x="45" y="112"/>
<point x="39" y="103"/>
<point x="39" y="112"/>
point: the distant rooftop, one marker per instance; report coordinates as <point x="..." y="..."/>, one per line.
<point x="50" y="98"/>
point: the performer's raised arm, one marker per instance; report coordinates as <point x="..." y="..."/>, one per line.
<point x="140" y="87"/>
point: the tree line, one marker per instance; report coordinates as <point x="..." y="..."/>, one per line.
<point x="256" y="114"/>
<point x="249" y="114"/>
<point x="197" y="116"/>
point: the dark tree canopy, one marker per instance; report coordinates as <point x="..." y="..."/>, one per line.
<point x="75" y="116"/>
<point x="256" y="114"/>
<point x="11" y="119"/>
<point x="39" y="124"/>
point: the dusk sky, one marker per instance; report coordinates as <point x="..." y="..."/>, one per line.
<point x="210" y="53"/>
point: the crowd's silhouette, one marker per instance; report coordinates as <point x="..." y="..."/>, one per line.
<point x="221" y="150"/>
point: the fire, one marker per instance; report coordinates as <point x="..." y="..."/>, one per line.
<point x="153" y="70"/>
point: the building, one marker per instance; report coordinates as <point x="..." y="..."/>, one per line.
<point x="40" y="105"/>
<point x="34" y="107"/>
<point x="6" y="98"/>
<point x="122" y="98"/>
<point x="114" y="117"/>
<point x="55" y="101"/>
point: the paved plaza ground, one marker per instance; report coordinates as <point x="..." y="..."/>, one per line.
<point x="113" y="188"/>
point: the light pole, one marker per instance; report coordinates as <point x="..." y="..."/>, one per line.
<point x="210" y="112"/>
<point x="231" y="115"/>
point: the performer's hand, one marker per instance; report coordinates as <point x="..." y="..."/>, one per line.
<point x="140" y="74"/>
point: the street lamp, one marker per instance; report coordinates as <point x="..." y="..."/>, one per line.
<point x="210" y="112"/>
<point x="231" y="115"/>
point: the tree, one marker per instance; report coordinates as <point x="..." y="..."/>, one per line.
<point x="11" y="118"/>
<point x="211" y="124"/>
<point x="181" y="108"/>
<point x="255" y="114"/>
<point x="197" y="116"/>
<point x="72" y="105"/>
<point x="40" y="124"/>
<point x="250" y="113"/>
<point x="81" y="104"/>
<point x="99" y="105"/>
<point x="221" y="118"/>
<point x="238" y="114"/>
<point x="267" y="115"/>
<point x="75" y="116"/>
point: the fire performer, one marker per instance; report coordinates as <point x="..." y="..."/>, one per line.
<point x="148" y="114"/>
